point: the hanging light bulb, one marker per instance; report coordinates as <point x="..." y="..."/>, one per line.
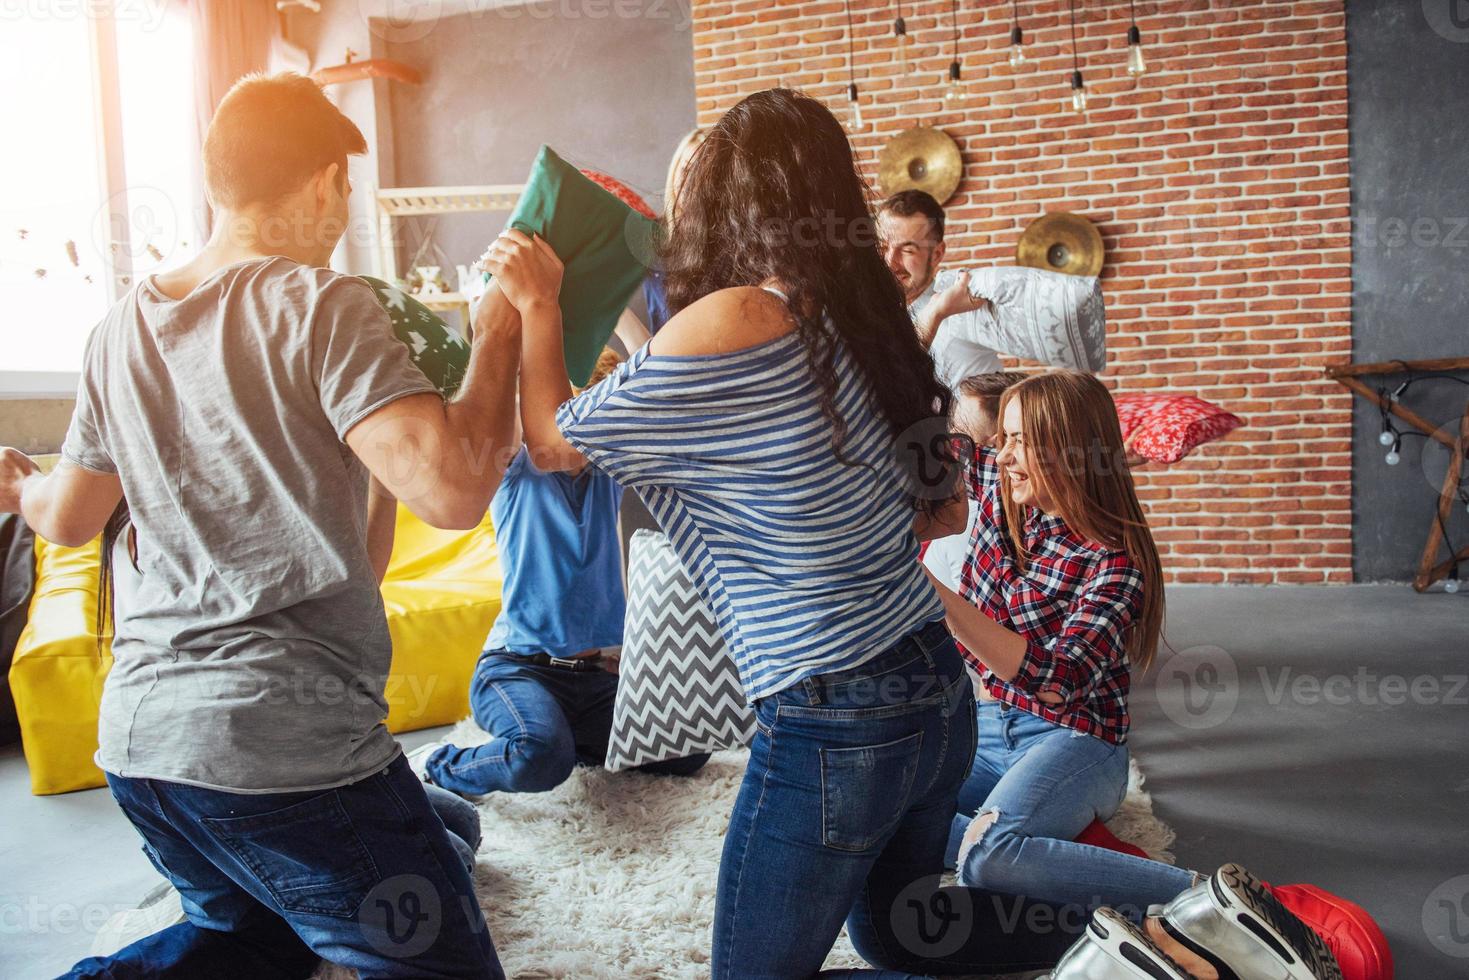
<point x="1078" y="87"/>
<point x="855" y="122"/>
<point x="1385" y="438"/>
<point x="1017" y="39"/>
<point x="1017" y="48"/>
<point x="1392" y="458"/>
<point x="954" y="87"/>
<point x="1135" y="64"/>
<point x="900" y="31"/>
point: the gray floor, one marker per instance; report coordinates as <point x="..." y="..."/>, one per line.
<point x="1283" y="739"/>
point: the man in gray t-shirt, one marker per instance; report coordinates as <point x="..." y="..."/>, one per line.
<point x="241" y="405"/>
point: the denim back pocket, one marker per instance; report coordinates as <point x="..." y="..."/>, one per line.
<point x="864" y="791"/>
<point x="308" y="855"/>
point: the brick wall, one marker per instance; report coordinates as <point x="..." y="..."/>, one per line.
<point x="1219" y="182"/>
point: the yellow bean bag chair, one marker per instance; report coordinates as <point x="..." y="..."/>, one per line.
<point x="442" y="593"/>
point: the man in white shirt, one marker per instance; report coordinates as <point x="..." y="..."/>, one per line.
<point x="911" y="225"/>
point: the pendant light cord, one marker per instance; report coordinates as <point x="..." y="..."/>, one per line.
<point x="851" y="49"/>
<point x="956" y="29"/>
<point x="1075" y="59"/>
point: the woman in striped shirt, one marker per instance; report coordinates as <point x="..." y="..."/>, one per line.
<point x="762" y="427"/>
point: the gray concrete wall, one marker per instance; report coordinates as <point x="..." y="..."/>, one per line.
<point x="34" y="425"/>
<point x="610" y="85"/>
<point x="612" y="92"/>
<point x="1408" y="75"/>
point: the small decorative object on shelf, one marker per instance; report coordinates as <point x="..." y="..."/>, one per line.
<point x="1389" y="403"/>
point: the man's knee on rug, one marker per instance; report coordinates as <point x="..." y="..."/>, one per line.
<point x="537" y="763"/>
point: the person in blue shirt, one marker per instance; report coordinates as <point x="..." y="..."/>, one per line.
<point x="543" y="686"/>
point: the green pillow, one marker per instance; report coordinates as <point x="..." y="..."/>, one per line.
<point x="440" y="352"/>
<point x="602" y="243"/>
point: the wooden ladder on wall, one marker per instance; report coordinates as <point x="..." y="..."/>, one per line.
<point x="1430" y="569"/>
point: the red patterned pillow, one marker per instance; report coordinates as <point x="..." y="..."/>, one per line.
<point x="1166" y="428"/>
<point x="621" y="191"/>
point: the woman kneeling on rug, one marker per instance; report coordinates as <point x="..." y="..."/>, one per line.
<point x="759" y="426"/>
<point x="1062" y="599"/>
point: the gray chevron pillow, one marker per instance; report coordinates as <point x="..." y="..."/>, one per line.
<point x="678" y="693"/>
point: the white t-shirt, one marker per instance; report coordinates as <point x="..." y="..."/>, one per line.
<point x="956" y="351"/>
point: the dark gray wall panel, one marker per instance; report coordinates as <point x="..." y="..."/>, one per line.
<point x="1408" y="83"/>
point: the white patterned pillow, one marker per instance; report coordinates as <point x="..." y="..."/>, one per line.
<point x="678" y="693"/>
<point x="1039" y="315"/>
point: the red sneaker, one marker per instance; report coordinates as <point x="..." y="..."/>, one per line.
<point x="1350" y="933"/>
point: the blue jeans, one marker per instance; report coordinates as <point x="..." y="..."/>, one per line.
<point x="364" y="875"/>
<point x="461" y="820"/>
<point x="545" y="720"/>
<point x="1044" y="784"/>
<point x="843" y="815"/>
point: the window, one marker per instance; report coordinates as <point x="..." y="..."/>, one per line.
<point x="68" y="245"/>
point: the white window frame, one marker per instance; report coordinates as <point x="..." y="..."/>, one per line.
<point x="112" y="182"/>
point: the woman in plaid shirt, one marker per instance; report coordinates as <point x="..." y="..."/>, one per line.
<point x="1060" y="598"/>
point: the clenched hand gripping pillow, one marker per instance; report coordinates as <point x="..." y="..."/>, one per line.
<point x="678" y="693"/>
<point x="1039" y="315"/>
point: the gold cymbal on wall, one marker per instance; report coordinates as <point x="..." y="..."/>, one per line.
<point x="1061" y="242"/>
<point x="921" y="158"/>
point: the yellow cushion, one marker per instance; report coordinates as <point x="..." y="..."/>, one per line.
<point x="442" y="593"/>
<point x="57" y="672"/>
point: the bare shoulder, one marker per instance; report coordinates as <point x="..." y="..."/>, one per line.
<point x="725" y="321"/>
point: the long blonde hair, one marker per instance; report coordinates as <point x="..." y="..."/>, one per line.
<point x="1077" y="461"/>
<point x="680" y="160"/>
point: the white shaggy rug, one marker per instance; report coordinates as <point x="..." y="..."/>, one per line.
<point x="613" y="874"/>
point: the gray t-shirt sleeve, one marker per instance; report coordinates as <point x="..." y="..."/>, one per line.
<point x="85" y="444"/>
<point x="358" y="363"/>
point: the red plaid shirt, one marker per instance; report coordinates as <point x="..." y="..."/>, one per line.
<point x="1073" y="605"/>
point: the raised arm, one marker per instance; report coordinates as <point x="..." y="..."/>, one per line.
<point x="530" y="274"/>
<point x="445" y="460"/>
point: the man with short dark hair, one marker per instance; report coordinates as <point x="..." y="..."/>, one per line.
<point x="911" y="225"/>
<point x="239" y="404"/>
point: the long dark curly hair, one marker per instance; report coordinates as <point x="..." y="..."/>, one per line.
<point x="773" y="192"/>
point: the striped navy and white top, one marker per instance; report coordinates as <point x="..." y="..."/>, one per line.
<point x="810" y="565"/>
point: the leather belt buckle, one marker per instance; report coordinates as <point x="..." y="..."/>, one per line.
<point x="566" y="663"/>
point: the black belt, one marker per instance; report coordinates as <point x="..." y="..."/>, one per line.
<point x="594" y="662"/>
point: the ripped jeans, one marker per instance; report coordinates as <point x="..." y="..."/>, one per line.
<point x="1044" y="783"/>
